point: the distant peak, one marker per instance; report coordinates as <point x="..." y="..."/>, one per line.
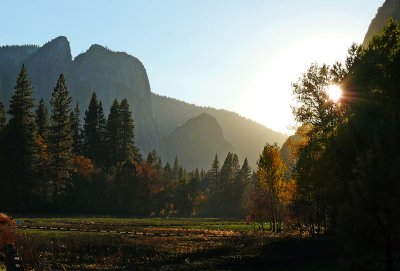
<point x="205" y="116"/>
<point x="98" y="48"/>
<point x="60" y="41"/>
<point x="61" y="38"/>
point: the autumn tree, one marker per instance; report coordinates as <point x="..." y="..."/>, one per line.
<point x="270" y="173"/>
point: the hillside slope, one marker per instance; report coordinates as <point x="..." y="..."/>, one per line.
<point x="247" y="137"/>
<point x="196" y="142"/>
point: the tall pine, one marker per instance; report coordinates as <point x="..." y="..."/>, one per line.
<point x="19" y="151"/>
<point x="77" y="135"/>
<point x="114" y="134"/>
<point x="3" y="117"/>
<point x="94" y="130"/>
<point x="60" y="141"/>
<point x="129" y="150"/>
<point x="102" y="152"/>
<point x="42" y="120"/>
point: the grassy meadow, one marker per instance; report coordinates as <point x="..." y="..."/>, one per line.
<point x="91" y="243"/>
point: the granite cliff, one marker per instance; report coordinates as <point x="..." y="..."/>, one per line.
<point x="391" y="8"/>
<point x="111" y="74"/>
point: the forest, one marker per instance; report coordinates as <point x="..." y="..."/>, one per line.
<point x="342" y="181"/>
<point x="53" y="164"/>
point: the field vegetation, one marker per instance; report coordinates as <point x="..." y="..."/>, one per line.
<point x="160" y="244"/>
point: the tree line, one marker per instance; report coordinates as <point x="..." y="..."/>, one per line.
<point x="52" y="163"/>
<point x="347" y="170"/>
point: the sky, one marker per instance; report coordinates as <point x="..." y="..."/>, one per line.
<point x="239" y="55"/>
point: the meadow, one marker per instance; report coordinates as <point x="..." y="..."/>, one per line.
<point x="74" y="243"/>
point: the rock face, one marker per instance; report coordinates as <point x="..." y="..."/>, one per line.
<point x="11" y="60"/>
<point x="46" y="64"/>
<point x="196" y="143"/>
<point x="391" y="8"/>
<point x="111" y="74"/>
<point x="115" y="75"/>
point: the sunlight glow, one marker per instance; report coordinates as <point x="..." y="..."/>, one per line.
<point x="334" y="93"/>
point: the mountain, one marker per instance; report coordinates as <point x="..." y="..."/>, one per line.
<point x="115" y="75"/>
<point x="196" y="142"/>
<point x="119" y="75"/>
<point x="11" y="59"/>
<point x="390" y="8"/>
<point x="247" y="137"/>
<point x="111" y="74"/>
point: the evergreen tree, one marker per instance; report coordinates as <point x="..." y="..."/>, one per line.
<point x="77" y="134"/>
<point x="128" y="148"/>
<point x="3" y="117"/>
<point x="60" y="140"/>
<point x="245" y="172"/>
<point x="114" y="134"/>
<point x="175" y="169"/>
<point x="150" y="159"/>
<point x="102" y="152"/>
<point x="42" y="120"/>
<point x="20" y="147"/>
<point x="214" y="185"/>
<point x="92" y="137"/>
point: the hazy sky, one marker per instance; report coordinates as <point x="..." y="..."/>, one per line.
<point x="240" y="55"/>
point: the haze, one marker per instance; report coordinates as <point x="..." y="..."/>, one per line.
<point x="237" y="55"/>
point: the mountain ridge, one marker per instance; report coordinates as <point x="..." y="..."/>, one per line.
<point x="113" y="74"/>
<point x="247" y="136"/>
<point x="390" y="8"/>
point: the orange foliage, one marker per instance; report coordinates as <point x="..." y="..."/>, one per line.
<point x="83" y="166"/>
<point x="43" y="153"/>
<point x="7" y="230"/>
<point x="287" y="191"/>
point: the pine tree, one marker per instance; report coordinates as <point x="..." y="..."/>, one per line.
<point x="3" y="117"/>
<point x="91" y="129"/>
<point x="60" y="140"/>
<point x="175" y="169"/>
<point x="215" y="175"/>
<point x="3" y="120"/>
<point x="20" y="147"/>
<point x="102" y="152"/>
<point x="245" y="172"/>
<point x="114" y="134"/>
<point x="42" y="120"/>
<point x="150" y="159"/>
<point x="77" y="134"/>
<point x="129" y="150"/>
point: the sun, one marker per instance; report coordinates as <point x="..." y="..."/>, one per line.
<point x="334" y="93"/>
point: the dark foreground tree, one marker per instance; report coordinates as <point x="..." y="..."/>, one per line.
<point x="18" y="181"/>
